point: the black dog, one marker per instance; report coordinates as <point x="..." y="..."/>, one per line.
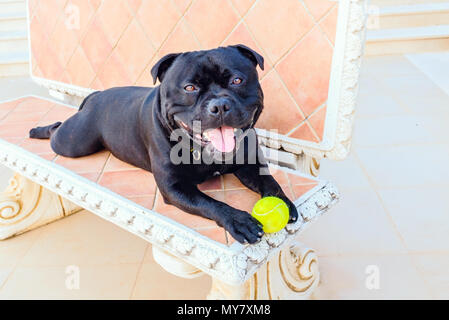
<point x="220" y="89"/>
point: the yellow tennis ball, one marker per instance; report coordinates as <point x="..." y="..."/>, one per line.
<point x="272" y="212"/>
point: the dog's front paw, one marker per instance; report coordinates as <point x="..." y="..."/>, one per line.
<point x="243" y="227"/>
<point x="293" y="212"/>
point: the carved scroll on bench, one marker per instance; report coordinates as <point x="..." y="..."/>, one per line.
<point x="26" y="205"/>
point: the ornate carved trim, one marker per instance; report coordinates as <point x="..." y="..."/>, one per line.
<point x="231" y="264"/>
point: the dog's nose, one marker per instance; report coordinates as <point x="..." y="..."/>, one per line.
<point x="218" y="106"/>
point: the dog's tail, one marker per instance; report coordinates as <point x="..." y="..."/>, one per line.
<point x="44" y="132"/>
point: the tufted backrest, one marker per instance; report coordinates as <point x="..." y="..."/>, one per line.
<point x="97" y="44"/>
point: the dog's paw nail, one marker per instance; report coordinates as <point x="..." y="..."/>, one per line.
<point x="260" y="233"/>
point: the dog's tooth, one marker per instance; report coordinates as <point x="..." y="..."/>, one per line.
<point x="235" y="129"/>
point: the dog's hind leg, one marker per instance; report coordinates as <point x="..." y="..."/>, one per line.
<point x="44" y="132"/>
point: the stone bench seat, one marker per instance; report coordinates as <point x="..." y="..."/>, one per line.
<point x="128" y="196"/>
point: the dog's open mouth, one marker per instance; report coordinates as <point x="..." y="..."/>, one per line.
<point x="223" y="139"/>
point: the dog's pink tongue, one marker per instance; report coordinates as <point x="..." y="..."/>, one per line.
<point x="222" y="138"/>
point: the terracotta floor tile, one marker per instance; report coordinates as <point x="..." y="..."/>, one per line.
<point x="23" y="112"/>
<point x="115" y="164"/>
<point x="306" y="70"/>
<point x="92" y="176"/>
<point x="217" y="195"/>
<point x="288" y="191"/>
<point x="241" y="35"/>
<point x="36" y="146"/>
<point x="95" y="44"/>
<point x="4" y="113"/>
<point x="193" y="221"/>
<point x="304" y="132"/>
<point x="136" y="182"/>
<point x="279" y="175"/>
<point x="116" y="12"/>
<point x="241" y="199"/>
<point x="134" y="4"/>
<point x="116" y="76"/>
<point x="318" y="8"/>
<point x="79" y="69"/>
<point x="34" y="103"/>
<point x="278" y="25"/>
<point x="299" y="190"/>
<point x="6" y="107"/>
<point x="231" y="182"/>
<point x="181" y="39"/>
<point x="145" y="201"/>
<point x="92" y="163"/>
<point x="211" y="184"/>
<point x="280" y="111"/>
<point x="158" y="19"/>
<point x="187" y="219"/>
<point x="57" y="113"/>
<point x="317" y="121"/>
<point x="329" y="24"/>
<point x="135" y="48"/>
<point x="242" y="6"/>
<point x="16" y="130"/>
<point x="163" y="208"/>
<point x="211" y="21"/>
<point x="296" y="179"/>
<point x="15" y="141"/>
<point x="217" y="234"/>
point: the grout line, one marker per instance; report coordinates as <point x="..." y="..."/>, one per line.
<point x="305" y="120"/>
<point x="103" y="167"/>
<point x="392" y="222"/>
<point x="12" y="110"/>
<point x="139" y="270"/>
<point x="165" y="40"/>
<point x="373" y="186"/>
<point x="16" y="265"/>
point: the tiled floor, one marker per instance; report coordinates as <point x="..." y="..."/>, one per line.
<point x="393" y="217"/>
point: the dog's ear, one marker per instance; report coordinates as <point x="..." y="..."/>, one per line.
<point x="250" y="54"/>
<point x="160" y="68"/>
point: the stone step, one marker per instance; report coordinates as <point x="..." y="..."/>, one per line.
<point x="383" y="3"/>
<point x="406" y="16"/>
<point x="13" y="41"/>
<point x="407" y="40"/>
<point x="12" y="6"/>
<point x="13" y="21"/>
<point x="14" y="64"/>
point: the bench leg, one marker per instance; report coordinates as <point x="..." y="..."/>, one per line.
<point x="309" y="165"/>
<point x="25" y="205"/>
<point x="291" y="274"/>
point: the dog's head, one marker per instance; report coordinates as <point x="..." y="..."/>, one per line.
<point x="218" y="89"/>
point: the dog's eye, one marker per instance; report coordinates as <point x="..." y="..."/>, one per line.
<point x="237" y="81"/>
<point x="190" y="88"/>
